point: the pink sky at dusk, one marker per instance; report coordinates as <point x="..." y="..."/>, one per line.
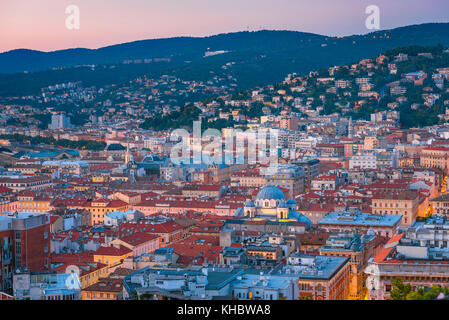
<point x="40" y="24"/>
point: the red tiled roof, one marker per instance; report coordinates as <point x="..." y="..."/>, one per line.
<point x="388" y="248"/>
<point x="112" y="251"/>
<point x="139" y="238"/>
<point x="4" y="189"/>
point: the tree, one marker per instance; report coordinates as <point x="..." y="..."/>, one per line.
<point x="427" y="293"/>
<point x="400" y="290"/>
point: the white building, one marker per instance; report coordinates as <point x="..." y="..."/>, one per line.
<point x="363" y="161"/>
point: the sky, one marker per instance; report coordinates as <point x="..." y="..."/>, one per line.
<point x="41" y="24"/>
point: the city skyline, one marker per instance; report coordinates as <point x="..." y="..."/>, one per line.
<point x="233" y="166"/>
<point x="41" y="25"/>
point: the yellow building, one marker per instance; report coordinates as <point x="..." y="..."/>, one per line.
<point x="130" y="198"/>
<point x="435" y="157"/>
<point x="196" y="190"/>
<point x="26" y="169"/>
<point x="99" y="178"/>
<point x="405" y="203"/>
<point x="104" y="289"/>
<point x="370" y="143"/>
<point x="98" y="208"/>
<point x="440" y="204"/>
<point x="265" y="252"/>
<point x="30" y="202"/>
<point x="112" y="255"/>
<point x="89" y="278"/>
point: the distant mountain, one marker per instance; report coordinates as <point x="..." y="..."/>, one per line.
<point x="181" y="47"/>
<point x="260" y="57"/>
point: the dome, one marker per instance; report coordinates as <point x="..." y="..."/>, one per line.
<point x="282" y="205"/>
<point x="291" y="201"/>
<point x="249" y="204"/>
<point x="270" y="192"/>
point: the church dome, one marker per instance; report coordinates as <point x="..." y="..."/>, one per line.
<point x="282" y="205"/>
<point x="249" y="204"/>
<point x="270" y="192"/>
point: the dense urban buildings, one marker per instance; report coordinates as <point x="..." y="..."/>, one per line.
<point x="108" y="192"/>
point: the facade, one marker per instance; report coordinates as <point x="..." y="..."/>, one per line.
<point x="264" y="252"/>
<point x="419" y="256"/>
<point x="31" y="202"/>
<point x="311" y="169"/>
<point x="66" y="167"/>
<point x="359" y="248"/>
<point x="404" y="203"/>
<point x="435" y="157"/>
<point x="29" y="183"/>
<point x="320" y="277"/>
<point x="104" y="289"/>
<point x="100" y="207"/>
<point x="325" y="182"/>
<point x="440" y="204"/>
<point x="112" y="255"/>
<point x="59" y="121"/>
<point x="25" y="243"/>
<point x="155" y="206"/>
<point x="290" y="177"/>
<point x="366" y="160"/>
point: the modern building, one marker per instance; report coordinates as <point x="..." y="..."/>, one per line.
<point x="59" y="121"/>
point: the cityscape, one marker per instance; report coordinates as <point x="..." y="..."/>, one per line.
<point x="225" y="168"/>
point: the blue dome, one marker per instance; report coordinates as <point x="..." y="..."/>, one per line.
<point x="282" y="205"/>
<point x="270" y="192"/>
<point x="291" y="201"/>
<point x="249" y="204"/>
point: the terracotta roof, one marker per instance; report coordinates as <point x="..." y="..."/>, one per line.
<point x="388" y="248"/>
<point x="112" y="251"/>
<point x="138" y="238"/>
<point x="106" y="285"/>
